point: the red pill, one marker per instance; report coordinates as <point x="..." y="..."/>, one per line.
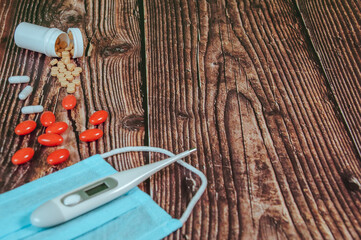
<point x="98" y="117"/>
<point x="47" y="118"/>
<point x="50" y="139"/>
<point x="57" y="128"/>
<point x="69" y="102"/>
<point x="58" y="156"/>
<point x="25" y="127"/>
<point x="22" y="156"/>
<point x="91" y="135"/>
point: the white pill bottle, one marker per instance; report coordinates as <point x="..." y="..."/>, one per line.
<point x="42" y="39"/>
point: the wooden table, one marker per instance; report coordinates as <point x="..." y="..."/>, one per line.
<point x="269" y="94"/>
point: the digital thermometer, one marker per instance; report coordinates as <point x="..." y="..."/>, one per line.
<point x="95" y="194"/>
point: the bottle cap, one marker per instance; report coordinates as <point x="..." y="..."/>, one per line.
<point x="76" y="38"/>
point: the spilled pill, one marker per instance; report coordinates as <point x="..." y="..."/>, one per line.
<point x="50" y="139"/>
<point x="91" y="135"/>
<point x="57" y="128"/>
<point x="58" y="156"/>
<point x="22" y="156"/>
<point x="19" y="79"/>
<point x="54" y="61"/>
<point x="47" y="118"/>
<point x="25" y="92"/>
<point x="25" y="127"/>
<point x="78" y="69"/>
<point x="98" y="117"/>
<point x="69" y="102"/>
<point x="32" y="109"/>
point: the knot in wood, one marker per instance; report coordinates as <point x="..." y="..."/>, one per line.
<point x="350" y="181"/>
<point x="115" y="50"/>
<point x="133" y="122"/>
<point x="191" y="185"/>
<point x="182" y="115"/>
<point x="69" y="18"/>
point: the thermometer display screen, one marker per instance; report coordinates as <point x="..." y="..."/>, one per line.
<point x="96" y="189"/>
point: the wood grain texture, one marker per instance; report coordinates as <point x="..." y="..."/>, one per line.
<point x="335" y="31"/>
<point x="240" y="81"/>
<point x="111" y="81"/>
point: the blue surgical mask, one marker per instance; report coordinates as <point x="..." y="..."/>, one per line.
<point x="132" y="216"/>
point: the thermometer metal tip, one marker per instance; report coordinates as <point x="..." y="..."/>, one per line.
<point x="192" y="150"/>
<point x="97" y="193"/>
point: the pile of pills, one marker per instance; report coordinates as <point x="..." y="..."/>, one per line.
<point x="65" y="69"/>
<point x="52" y="136"/>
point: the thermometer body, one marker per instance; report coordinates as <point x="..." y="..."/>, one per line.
<point x="95" y="194"/>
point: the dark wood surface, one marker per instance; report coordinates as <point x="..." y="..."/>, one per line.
<point x="334" y="28"/>
<point x="268" y="92"/>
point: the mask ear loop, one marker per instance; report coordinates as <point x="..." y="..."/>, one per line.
<point x="203" y="178"/>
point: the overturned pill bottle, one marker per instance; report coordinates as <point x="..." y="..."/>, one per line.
<point x="46" y="40"/>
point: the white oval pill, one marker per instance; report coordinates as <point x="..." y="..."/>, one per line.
<point x="32" y="109"/>
<point x="19" y="79"/>
<point x="25" y="92"/>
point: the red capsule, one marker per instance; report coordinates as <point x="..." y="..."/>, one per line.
<point x="22" y="156"/>
<point x="50" y="139"/>
<point x="98" y="117"/>
<point x="58" y="156"/>
<point x="25" y="127"/>
<point x="47" y="118"/>
<point x="57" y="128"/>
<point x="69" y="102"/>
<point x="91" y="135"/>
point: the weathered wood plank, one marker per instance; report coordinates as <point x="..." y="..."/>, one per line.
<point x="240" y="81"/>
<point x="111" y="81"/>
<point x="335" y="32"/>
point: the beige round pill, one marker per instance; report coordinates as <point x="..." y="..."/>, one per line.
<point x="70" y="66"/>
<point x="66" y="60"/>
<point x="65" y="54"/>
<point x="54" y="74"/>
<point x="60" y="74"/>
<point x="69" y="77"/>
<point x="53" y="62"/>
<point x="75" y="73"/>
<point x="72" y="52"/>
<point x="58" y="54"/>
<point x="78" y="69"/>
<point x="62" y="79"/>
<point x="71" y="85"/>
<point x="64" y="83"/>
<point x="70" y="90"/>
<point x="76" y="82"/>
<point x="54" y="69"/>
<point x="62" y="70"/>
